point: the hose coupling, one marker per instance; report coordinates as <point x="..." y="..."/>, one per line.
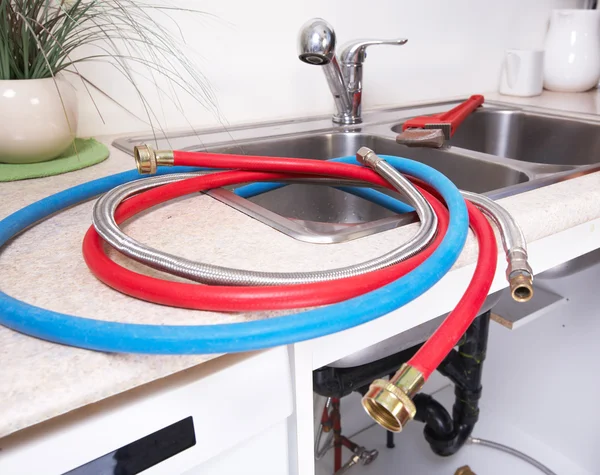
<point x="147" y="159"/>
<point x="368" y="157"/>
<point x="464" y="470"/>
<point x="519" y="275"/>
<point x="521" y="286"/>
<point x="389" y="403"/>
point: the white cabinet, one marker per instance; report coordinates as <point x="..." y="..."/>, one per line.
<point x="238" y="405"/>
<point x="263" y="454"/>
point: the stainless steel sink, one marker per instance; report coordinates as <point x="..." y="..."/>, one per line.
<point x="530" y="137"/>
<point x="499" y="151"/>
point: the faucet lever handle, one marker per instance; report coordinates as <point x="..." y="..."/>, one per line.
<point x="355" y="52"/>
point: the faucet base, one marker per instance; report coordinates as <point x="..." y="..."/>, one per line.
<point x="346" y="120"/>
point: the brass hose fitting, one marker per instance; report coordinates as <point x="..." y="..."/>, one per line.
<point x="521" y="286"/>
<point x="147" y="159"/>
<point x="389" y="403"/>
<point x="464" y="470"/>
<point x="520" y="275"/>
<point x="518" y="272"/>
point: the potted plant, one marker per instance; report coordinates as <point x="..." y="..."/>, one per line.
<point x="44" y="41"/>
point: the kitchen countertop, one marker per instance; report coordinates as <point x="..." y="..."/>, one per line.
<point x="44" y="267"/>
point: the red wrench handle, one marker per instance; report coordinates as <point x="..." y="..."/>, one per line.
<point x="457" y="115"/>
<point x="454" y="116"/>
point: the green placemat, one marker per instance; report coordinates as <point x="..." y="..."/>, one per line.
<point x="83" y="153"/>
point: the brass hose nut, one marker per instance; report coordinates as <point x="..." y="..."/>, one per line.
<point x="388" y="406"/>
<point x="519" y="275"/>
<point x="389" y="403"/>
<point x="464" y="470"/>
<point x="147" y="159"/>
<point x="521" y="286"/>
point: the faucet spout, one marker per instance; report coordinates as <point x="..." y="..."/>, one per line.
<point x="316" y="45"/>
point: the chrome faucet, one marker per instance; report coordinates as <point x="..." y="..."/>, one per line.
<point x="316" y="45"/>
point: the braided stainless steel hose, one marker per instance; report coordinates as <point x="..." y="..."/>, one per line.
<point x="518" y="272"/>
<point x="514" y="452"/>
<point x="103" y="219"/>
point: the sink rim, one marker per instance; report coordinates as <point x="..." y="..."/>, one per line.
<point x="322" y="123"/>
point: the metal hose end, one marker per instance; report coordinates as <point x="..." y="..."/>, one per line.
<point x="388" y="406"/>
<point x="367" y="157"/>
<point x="521" y="286"/>
<point x="145" y="159"/>
<point x="464" y="470"/>
<point x="389" y="403"/>
<point x="519" y="274"/>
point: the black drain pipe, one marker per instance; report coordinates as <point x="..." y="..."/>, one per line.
<point x="435" y="416"/>
<point x="464" y="367"/>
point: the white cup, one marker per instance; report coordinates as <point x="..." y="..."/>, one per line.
<point x="523" y="73"/>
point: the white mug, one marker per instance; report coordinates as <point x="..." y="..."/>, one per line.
<point x="523" y="73"/>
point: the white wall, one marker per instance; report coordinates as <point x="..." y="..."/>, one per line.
<point x="543" y="377"/>
<point x="248" y="53"/>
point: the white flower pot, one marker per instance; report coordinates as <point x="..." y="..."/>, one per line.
<point x="572" y="60"/>
<point x="38" y="119"/>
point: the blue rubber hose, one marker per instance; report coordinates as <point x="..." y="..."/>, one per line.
<point x="237" y="337"/>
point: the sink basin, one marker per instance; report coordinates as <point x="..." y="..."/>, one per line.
<point x="304" y="211"/>
<point x="530" y="137"/>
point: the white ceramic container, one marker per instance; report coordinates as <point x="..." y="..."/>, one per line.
<point x="572" y="59"/>
<point x="38" y="119"/>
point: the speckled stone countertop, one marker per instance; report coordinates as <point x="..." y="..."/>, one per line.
<point x="44" y="267"/>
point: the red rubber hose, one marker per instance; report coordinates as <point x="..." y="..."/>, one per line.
<point x="446" y="337"/>
<point x="272" y="164"/>
<point x="230" y="298"/>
